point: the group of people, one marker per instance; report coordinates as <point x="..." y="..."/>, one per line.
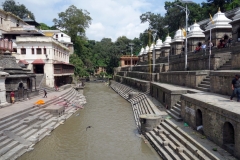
<point x="203" y="46"/>
<point x="223" y="43"/>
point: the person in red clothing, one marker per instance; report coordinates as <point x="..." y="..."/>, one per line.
<point x="12" y="96"/>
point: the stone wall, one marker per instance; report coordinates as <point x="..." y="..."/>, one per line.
<point x="146" y="68"/>
<point x="213" y="119"/>
<point x="144" y="76"/>
<point x="118" y="78"/>
<point x="141" y="85"/>
<point x="199" y="61"/>
<point x="235" y="61"/>
<point x="221" y="81"/>
<point x="167" y="95"/>
<point x="183" y="78"/>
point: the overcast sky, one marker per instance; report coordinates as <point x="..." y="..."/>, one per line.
<point x="110" y="18"/>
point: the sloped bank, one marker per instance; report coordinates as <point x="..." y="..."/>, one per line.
<point x="19" y="132"/>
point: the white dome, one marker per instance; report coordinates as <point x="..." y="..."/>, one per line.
<point x="237" y="16"/>
<point x="178" y="36"/>
<point x="220" y="21"/>
<point x="158" y="44"/>
<point x="146" y="50"/>
<point x="141" y="52"/>
<point x="195" y="31"/>
<point x="167" y="42"/>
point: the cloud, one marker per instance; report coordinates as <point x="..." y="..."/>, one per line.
<point x="111" y="18"/>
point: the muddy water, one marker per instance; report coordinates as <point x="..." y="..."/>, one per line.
<point x="113" y="136"/>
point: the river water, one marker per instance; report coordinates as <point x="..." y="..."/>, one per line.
<point x="113" y="136"/>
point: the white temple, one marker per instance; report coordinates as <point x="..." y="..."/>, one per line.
<point x="195" y="31"/>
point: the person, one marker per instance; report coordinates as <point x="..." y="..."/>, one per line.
<point x="229" y="42"/>
<point x="198" y="48"/>
<point x="204" y="47"/>
<point x="12" y="96"/>
<point x="236" y="87"/>
<point x="45" y="93"/>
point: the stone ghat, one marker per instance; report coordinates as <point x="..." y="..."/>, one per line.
<point x="20" y="131"/>
<point x="169" y="141"/>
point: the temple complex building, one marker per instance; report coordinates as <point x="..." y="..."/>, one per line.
<point x="158" y="48"/>
<point x="219" y="28"/>
<point x="236" y="27"/>
<point x="195" y="37"/>
<point x="177" y="43"/>
<point x="128" y="60"/>
<point x="165" y="49"/>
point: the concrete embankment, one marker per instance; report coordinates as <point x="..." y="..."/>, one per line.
<point x="23" y="124"/>
<point x="168" y="138"/>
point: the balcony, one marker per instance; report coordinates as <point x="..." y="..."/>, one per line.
<point x="6" y="44"/>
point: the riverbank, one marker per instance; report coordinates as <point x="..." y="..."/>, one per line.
<point x="113" y="135"/>
<point x="171" y="139"/>
<point x="24" y="124"/>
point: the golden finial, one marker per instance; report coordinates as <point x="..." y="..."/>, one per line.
<point x="168" y="34"/>
<point x="195" y="21"/>
<point x="219" y="10"/>
<point x="28" y="16"/>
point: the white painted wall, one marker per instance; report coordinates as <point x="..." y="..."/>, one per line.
<point x="55" y="51"/>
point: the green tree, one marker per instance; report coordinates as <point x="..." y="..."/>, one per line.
<point x="19" y="10"/>
<point x="73" y="21"/>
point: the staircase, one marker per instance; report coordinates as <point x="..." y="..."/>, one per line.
<point x="21" y="131"/>
<point x="226" y="66"/>
<point x="205" y="84"/>
<point x="175" y="112"/>
<point x="172" y="143"/>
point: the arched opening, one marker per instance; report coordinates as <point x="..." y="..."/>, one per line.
<point x="199" y="121"/>
<point x="228" y="137"/>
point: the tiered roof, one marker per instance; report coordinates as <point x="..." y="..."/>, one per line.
<point x="237" y="16"/>
<point x="178" y="37"/>
<point x="167" y="42"/>
<point x="195" y="31"/>
<point x="220" y="21"/>
<point x="158" y="44"/>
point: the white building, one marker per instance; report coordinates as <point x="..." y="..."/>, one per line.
<point x="44" y="55"/>
<point x="41" y="54"/>
<point x="61" y="37"/>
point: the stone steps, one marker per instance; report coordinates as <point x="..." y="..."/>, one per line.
<point x="20" y="114"/>
<point x="158" y="147"/>
<point x="14" y="152"/>
<point x="175" y="111"/>
<point x="226" y="66"/>
<point x="205" y="84"/>
<point x="8" y="147"/>
<point x="40" y="123"/>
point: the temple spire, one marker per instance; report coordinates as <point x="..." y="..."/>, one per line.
<point x="219" y="10"/>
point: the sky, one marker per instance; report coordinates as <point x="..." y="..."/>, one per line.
<point x="110" y="18"/>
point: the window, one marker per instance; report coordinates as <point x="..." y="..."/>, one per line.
<point x="61" y="35"/>
<point x="23" y="50"/>
<point x="44" y="51"/>
<point x="56" y="36"/>
<point x="33" y="51"/>
<point x="39" y="51"/>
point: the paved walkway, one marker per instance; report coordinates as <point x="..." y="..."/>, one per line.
<point x="20" y="106"/>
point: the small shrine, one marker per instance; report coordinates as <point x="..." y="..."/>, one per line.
<point x="165" y="49"/>
<point x="195" y="37"/>
<point x="158" y="48"/>
<point x="219" y="27"/>
<point x="145" y="53"/>
<point x="141" y="55"/>
<point x="177" y="43"/>
<point x="236" y="27"/>
<point x="19" y="79"/>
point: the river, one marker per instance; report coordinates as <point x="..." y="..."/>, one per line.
<point x="113" y="135"/>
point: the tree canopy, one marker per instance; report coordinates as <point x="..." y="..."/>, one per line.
<point x="19" y="10"/>
<point x="73" y="21"/>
